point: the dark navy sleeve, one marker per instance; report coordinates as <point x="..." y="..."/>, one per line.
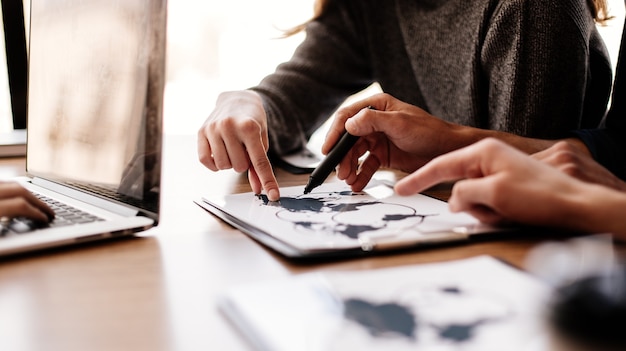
<point x="607" y="148"/>
<point x="607" y="144"/>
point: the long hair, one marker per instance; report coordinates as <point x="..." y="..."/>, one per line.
<point x="319" y="7"/>
<point x="599" y="10"/>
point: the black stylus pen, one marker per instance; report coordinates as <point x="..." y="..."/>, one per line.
<point x="323" y="170"/>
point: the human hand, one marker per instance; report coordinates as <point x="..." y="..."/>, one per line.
<point x="396" y="135"/>
<point x="572" y="158"/>
<point x="16" y="201"/>
<point x="501" y="184"/>
<point x="235" y="136"/>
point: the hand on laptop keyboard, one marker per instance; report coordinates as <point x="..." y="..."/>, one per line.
<point x="62" y="215"/>
<point x="16" y="201"/>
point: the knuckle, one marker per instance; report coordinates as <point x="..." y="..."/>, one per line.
<point x="268" y="184"/>
<point x="249" y="127"/>
<point x="224" y="124"/>
<point x="21" y="205"/>
<point x="571" y="170"/>
<point x="207" y="161"/>
<point x="563" y="146"/>
<point x="262" y="165"/>
<point x="497" y="198"/>
<point x="202" y="131"/>
<point x="222" y="164"/>
<point x="490" y="145"/>
<point x="209" y="126"/>
<point x="472" y="171"/>
<point x="565" y="157"/>
<point x="240" y="167"/>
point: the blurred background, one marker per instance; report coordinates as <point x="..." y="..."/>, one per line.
<point x="218" y="46"/>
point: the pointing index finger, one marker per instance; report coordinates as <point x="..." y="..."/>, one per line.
<point x="263" y="169"/>
<point x="463" y="163"/>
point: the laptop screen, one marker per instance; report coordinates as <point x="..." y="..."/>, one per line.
<point x="96" y="77"/>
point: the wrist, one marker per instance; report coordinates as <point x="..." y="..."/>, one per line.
<point x="599" y="209"/>
<point x="462" y="136"/>
<point x="470" y="135"/>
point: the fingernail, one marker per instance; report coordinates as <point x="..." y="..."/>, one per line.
<point x="453" y="207"/>
<point x="273" y="195"/>
<point x="353" y="129"/>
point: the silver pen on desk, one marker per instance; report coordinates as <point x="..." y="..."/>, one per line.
<point x="417" y="238"/>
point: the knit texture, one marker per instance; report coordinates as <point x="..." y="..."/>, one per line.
<point x="529" y="67"/>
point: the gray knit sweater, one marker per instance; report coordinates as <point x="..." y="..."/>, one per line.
<point x="529" y="67"/>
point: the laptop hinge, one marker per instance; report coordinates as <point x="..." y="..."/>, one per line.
<point x="85" y="197"/>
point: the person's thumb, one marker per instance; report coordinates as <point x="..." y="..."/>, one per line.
<point x="366" y="122"/>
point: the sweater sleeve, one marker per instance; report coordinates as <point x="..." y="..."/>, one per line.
<point x="535" y="54"/>
<point x="607" y="148"/>
<point x="608" y="143"/>
<point x="326" y="68"/>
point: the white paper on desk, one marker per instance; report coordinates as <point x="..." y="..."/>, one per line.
<point x="332" y="217"/>
<point x="476" y="304"/>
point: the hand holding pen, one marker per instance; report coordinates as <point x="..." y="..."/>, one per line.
<point x="332" y="160"/>
<point x="328" y="164"/>
<point x="393" y="135"/>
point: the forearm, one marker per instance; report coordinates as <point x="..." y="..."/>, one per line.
<point x="468" y="135"/>
<point x="597" y="209"/>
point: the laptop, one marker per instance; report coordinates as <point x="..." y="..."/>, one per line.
<point x="95" y="97"/>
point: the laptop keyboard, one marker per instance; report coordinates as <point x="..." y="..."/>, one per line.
<point x="64" y="215"/>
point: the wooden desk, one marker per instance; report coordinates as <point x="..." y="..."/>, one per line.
<point x="158" y="291"/>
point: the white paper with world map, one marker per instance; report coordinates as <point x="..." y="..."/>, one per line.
<point x="332" y="217"/>
<point x="475" y="304"/>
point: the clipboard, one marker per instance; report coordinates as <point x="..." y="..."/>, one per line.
<point x="333" y="221"/>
